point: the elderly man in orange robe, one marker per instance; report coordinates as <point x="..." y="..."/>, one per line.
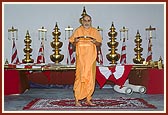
<point x="86" y="39"/>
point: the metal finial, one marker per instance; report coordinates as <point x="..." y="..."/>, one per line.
<point x="137" y="31"/>
<point x="27" y="33"/>
<point x="56" y="26"/>
<point x="84" y="12"/>
<point x="112" y="25"/>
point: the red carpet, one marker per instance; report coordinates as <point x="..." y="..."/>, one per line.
<point x="68" y="104"/>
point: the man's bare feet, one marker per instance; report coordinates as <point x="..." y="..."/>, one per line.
<point x="90" y="103"/>
<point x="77" y="104"/>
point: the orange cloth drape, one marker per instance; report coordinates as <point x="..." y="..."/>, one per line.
<point x="85" y="62"/>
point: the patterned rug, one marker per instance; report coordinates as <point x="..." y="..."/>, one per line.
<point x="69" y="104"/>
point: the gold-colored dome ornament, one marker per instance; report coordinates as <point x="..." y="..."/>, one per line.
<point x="83" y="14"/>
<point x="56" y="44"/>
<point x="138" y="59"/>
<point x="27" y="49"/>
<point x="113" y="56"/>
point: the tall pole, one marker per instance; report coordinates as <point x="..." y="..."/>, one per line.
<point x="13" y="35"/>
<point x="149" y="31"/>
<point x="124" y="33"/>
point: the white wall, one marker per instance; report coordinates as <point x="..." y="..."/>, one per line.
<point x="133" y="16"/>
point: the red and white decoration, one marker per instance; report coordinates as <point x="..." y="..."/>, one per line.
<point x="27" y="66"/>
<point x="130" y="88"/>
<point x="99" y="58"/>
<point x="50" y="104"/>
<point x="117" y="74"/>
<point x="149" y="54"/>
<point x="15" y="59"/>
<point x="71" y="56"/>
<point x="123" y="53"/>
<point x="40" y="58"/>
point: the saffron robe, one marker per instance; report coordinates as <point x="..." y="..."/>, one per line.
<point x="86" y="54"/>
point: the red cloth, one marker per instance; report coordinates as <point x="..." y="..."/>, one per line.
<point x="124" y="77"/>
<point x="155" y="83"/>
<point x="11" y="82"/>
<point x="40" y="58"/>
<point x="39" y="77"/>
<point x="102" y="80"/>
<point x="52" y="77"/>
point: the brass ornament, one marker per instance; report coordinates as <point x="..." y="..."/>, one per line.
<point x="160" y="63"/>
<point x="56" y="44"/>
<point x="112" y="56"/>
<point x="138" y="59"/>
<point x="27" y="49"/>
